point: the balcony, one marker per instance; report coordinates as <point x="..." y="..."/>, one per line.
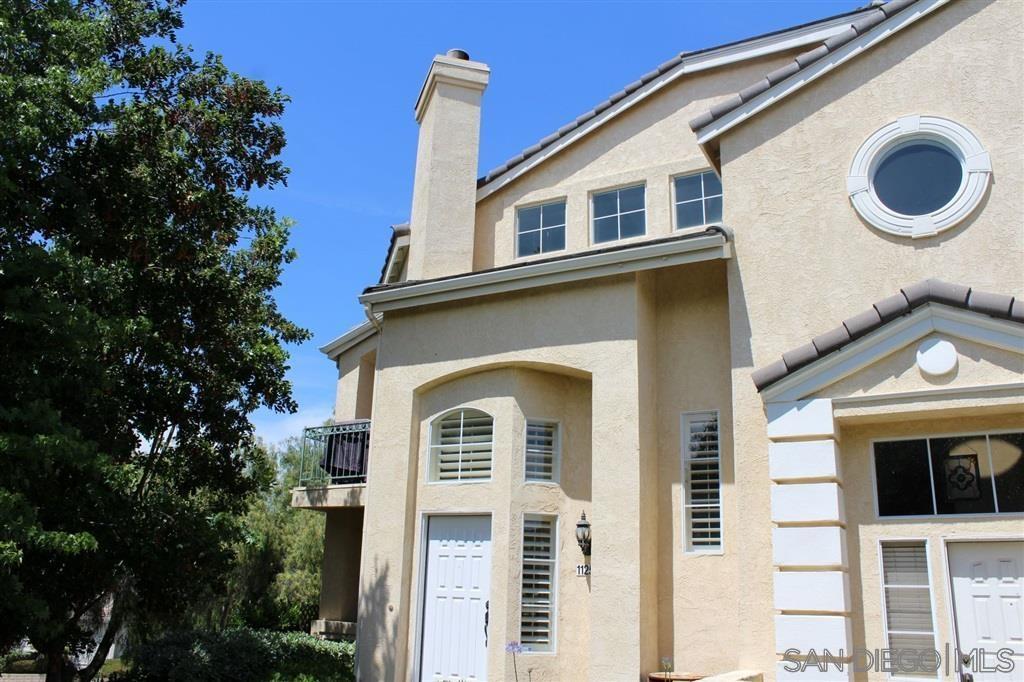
<point x="332" y="471"/>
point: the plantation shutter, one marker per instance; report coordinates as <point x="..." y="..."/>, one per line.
<point x="538" y="600"/>
<point x="908" y="600"/>
<point x="541" y="451"/>
<point x="462" y="446"/>
<point x="702" y="474"/>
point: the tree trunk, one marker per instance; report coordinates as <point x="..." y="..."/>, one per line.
<point x="109" y="635"/>
<point x="55" y="663"/>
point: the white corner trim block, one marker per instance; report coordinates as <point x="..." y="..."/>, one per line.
<point x="820" y="546"/>
<point x="803" y="459"/>
<point x="977" y="169"/>
<point x="813" y="632"/>
<point x="807" y="503"/>
<point x="812" y="591"/>
<point x="800" y="419"/>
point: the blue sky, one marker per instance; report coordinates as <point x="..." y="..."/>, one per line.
<point x="353" y="70"/>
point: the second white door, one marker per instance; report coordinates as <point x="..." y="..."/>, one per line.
<point x="987" y="581"/>
<point x="456" y="599"/>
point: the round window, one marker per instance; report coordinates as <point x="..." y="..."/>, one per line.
<point x="918" y="176"/>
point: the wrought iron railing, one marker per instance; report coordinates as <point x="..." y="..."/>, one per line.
<point x="335" y="454"/>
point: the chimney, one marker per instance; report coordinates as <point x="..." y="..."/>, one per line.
<point x="443" y="215"/>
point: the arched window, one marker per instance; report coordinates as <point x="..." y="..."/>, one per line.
<point x="460" y="446"/>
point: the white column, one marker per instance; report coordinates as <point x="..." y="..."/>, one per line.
<point x="812" y="594"/>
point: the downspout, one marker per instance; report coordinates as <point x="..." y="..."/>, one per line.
<point x="368" y="311"/>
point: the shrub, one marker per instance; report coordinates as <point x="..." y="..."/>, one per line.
<point x="241" y="655"/>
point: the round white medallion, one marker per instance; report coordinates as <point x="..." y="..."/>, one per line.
<point x="918" y="176"/>
<point x="936" y="357"/>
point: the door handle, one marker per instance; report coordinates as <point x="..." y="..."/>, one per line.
<point x="487" y="618"/>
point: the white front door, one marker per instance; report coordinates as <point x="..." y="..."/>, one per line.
<point x="987" y="581"/>
<point x="456" y="599"/>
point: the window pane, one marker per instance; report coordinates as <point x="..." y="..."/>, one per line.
<point x="554" y="239"/>
<point x="689" y="214"/>
<point x="529" y="218"/>
<point x="631" y="199"/>
<point x="713" y="207"/>
<point x="529" y="243"/>
<point x="606" y="229"/>
<point x="606" y="204"/>
<point x="1008" y="468"/>
<point x="901" y="478"/>
<point x="712" y="185"/>
<point x="632" y="224"/>
<point x="553" y="214"/>
<point x="918" y="178"/>
<point x="688" y="188"/>
<point x="963" y="483"/>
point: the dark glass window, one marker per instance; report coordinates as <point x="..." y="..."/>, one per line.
<point x="619" y="214"/>
<point x="540" y="229"/>
<point x="902" y="478"/>
<point x="1008" y="468"/>
<point x="918" y="178"/>
<point x="975" y="474"/>
<point x="963" y="481"/>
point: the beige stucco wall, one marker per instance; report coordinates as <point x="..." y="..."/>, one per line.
<point x="866" y="529"/>
<point x="339" y="580"/>
<point x="648" y="144"/>
<point x="354" y="389"/>
<point x="803" y="259"/>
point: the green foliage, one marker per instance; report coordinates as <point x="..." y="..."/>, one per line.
<point x="242" y="655"/>
<point x="274" y="576"/>
<point x="137" y="327"/>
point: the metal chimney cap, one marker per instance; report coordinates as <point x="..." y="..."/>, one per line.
<point x="456" y="53"/>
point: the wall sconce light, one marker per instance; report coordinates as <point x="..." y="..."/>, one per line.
<point x="583" y="534"/>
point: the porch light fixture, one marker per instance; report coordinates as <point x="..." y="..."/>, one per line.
<point x="583" y="534"/>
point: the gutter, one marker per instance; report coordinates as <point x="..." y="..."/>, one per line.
<point x="710" y="244"/>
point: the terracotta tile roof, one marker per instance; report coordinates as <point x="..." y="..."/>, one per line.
<point x="929" y="291"/>
<point x="633" y="87"/>
<point x="862" y="25"/>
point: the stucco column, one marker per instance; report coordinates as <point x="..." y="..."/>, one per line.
<point x="615" y="520"/>
<point x="386" y="566"/>
<point x="811" y="581"/>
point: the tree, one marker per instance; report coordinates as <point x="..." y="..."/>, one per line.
<point x="274" y="578"/>
<point x="137" y="326"/>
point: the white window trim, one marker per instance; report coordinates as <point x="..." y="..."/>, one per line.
<point x="593" y="216"/>
<point x="430" y="447"/>
<point x="556" y="474"/>
<point x="554" y="581"/>
<point x="942" y="517"/>
<point x="676" y="202"/>
<point x="515" y="228"/>
<point x="885" y="605"/>
<point x="977" y="170"/>
<point x="684" y="494"/>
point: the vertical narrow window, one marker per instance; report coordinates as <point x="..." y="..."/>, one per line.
<point x="542" y="451"/>
<point x="460" y="448"/>
<point x="537" y="629"/>
<point x="908" y="604"/>
<point x="702" y="503"/>
<point x="540" y="229"/>
<point x="698" y="200"/>
<point x="619" y="214"/>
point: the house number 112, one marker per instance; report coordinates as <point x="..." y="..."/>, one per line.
<point x="582" y="570"/>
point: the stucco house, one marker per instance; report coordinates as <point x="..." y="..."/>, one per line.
<point x="759" y="316"/>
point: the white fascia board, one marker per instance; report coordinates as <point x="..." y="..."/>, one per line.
<point x="351" y="338"/>
<point x="584" y="266"/>
<point x="702" y="61"/>
<point x="818" y="69"/>
<point x="897" y="334"/>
